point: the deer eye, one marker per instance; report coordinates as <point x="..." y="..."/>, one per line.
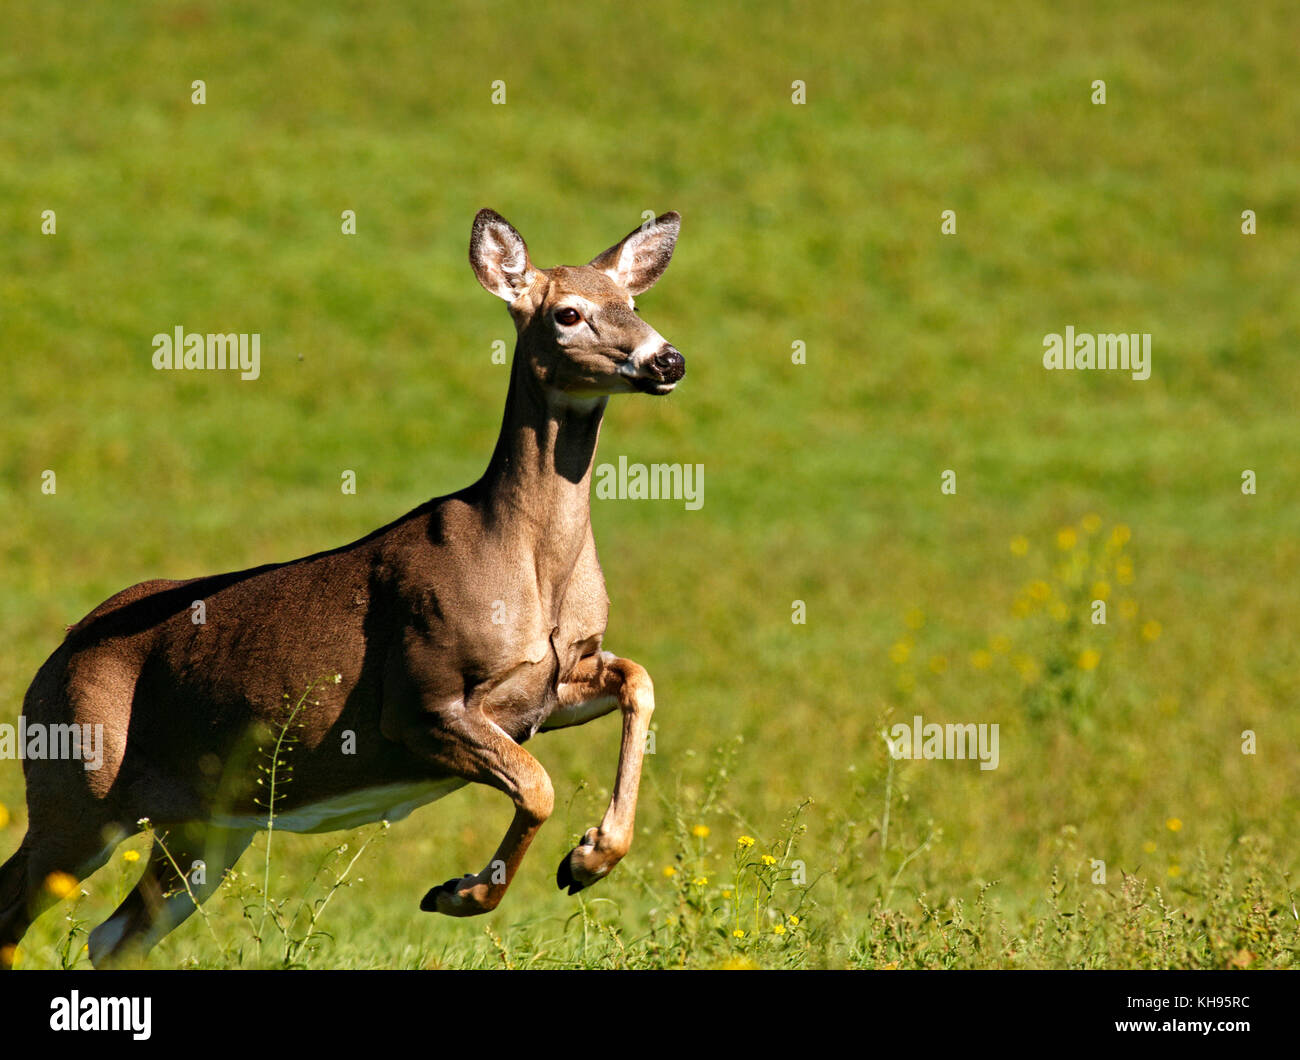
<point x="568" y="316"/>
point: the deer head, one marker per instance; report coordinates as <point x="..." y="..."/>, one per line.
<point x="579" y="334"/>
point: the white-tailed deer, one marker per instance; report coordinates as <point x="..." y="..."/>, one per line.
<point x="459" y="631"/>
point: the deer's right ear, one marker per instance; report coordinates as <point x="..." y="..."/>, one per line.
<point x="499" y="256"/>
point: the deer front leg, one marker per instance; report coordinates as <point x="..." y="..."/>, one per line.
<point x="597" y="684"/>
<point x="482" y="752"/>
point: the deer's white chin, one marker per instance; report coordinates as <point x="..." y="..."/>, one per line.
<point x="650" y="386"/>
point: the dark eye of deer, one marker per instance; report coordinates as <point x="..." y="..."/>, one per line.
<point x="568" y="316"/>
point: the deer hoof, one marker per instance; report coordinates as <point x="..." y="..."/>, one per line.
<point x="429" y="903"/>
<point x="564" y="876"/>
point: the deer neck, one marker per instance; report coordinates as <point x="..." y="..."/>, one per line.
<point x="537" y="488"/>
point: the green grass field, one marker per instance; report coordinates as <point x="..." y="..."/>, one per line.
<point x="817" y="224"/>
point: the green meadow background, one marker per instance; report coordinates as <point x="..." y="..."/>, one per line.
<point x="817" y="224"/>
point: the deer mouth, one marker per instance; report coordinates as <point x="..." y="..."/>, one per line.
<point x="652" y="386"/>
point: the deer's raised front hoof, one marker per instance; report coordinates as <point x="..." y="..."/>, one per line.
<point x="588" y="862"/>
<point x="463" y="896"/>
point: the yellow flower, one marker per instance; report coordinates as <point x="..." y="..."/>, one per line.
<point x="1128" y="609"/>
<point x="738" y="934"/>
<point x="1088" y="659"/>
<point x="899" y="652"/>
<point x="1028" y="668"/>
<point x="794" y="920"/>
<point x="1124" y="570"/>
<point x="1066" y="539"/>
<point x="1019" y="545"/>
<point x="700" y="881"/>
<point x="700" y="831"/>
<point x="131" y="855"/>
<point x="4" y="815"/>
<point x="981" y="659"/>
<point x="938" y="664"/>
<point x="1119" y="537"/>
<point x="726" y="893"/>
<point x="890" y="967"/>
<point x="745" y="841"/>
<point x="1020" y="608"/>
<point x="1175" y="871"/>
<point x="1058" y="610"/>
<point x="779" y="929"/>
<point x="1149" y="847"/>
<point x="1101" y="590"/>
<point x="914" y="619"/>
<point x="669" y="871"/>
<point x="60" y="884"/>
<point x="1174" y="824"/>
<point x="768" y="859"/>
<point x="1091" y="523"/>
<point x="1039" y="590"/>
<point x="1151" y="630"/>
<point x="1000" y="644"/>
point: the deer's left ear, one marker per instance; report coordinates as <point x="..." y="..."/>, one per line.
<point x="639" y="258"/>
<point x="499" y="256"/>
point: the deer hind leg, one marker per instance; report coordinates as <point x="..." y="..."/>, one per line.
<point x="597" y="683"/>
<point x="477" y="749"/>
<point x="173" y="886"/>
<point x="29" y="881"/>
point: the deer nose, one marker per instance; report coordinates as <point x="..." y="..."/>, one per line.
<point x="668" y="365"/>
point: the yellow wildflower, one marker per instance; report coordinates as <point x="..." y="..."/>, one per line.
<point x="60" y="884"/>
<point x="768" y="859"/>
<point x="1019" y="545"/>
<point x="899" y="652"/>
<point x="669" y="871"/>
<point x="1088" y="659"/>
<point x="1151" y="630"/>
<point x="1028" y="668"/>
<point x="981" y="659"/>
<point x="914" y="619"/>
<point x="1101" y="590"/>
<point x="1174" y="824"/>
<point x="700" y="831"/>
<point x="938" y="664"/>
<point x="1039" y="590"/>
<point x="779" y="929"/>
<point x="1000" y="644"/>
<point x="1066" y="539"/>
<point x="1091" y="523"/>
<point x="745" y="841"/>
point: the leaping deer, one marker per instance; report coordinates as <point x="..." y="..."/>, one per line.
<point x="437" y="693"/>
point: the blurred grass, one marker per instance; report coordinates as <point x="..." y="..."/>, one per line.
<point x="815" y="223"/>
